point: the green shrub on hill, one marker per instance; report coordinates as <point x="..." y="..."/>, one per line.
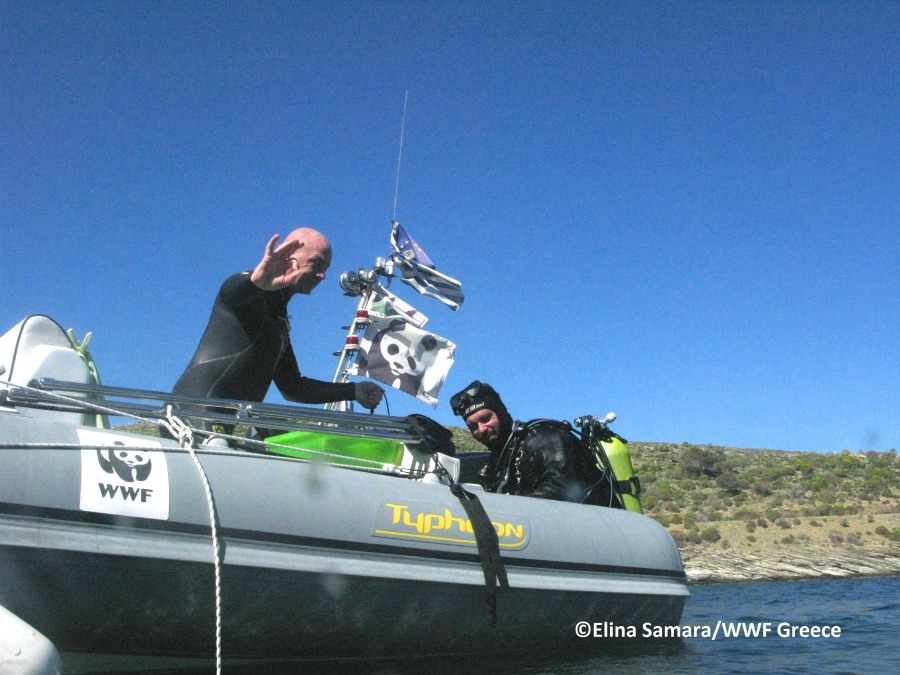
<point x="762" y="486"/>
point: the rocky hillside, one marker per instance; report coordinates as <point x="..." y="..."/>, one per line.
<point x="767" y="514"/>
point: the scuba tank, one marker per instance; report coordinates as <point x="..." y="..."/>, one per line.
<point x="612" y="453"/>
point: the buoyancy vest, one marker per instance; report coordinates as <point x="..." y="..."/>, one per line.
<point x="602" y="463"/>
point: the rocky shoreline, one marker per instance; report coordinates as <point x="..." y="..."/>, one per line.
<point x="704" y="567"/>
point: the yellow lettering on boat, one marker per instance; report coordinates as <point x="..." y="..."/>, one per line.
<point x="514" y="530"/>
<point x="418" y="523"/>
<point x="398" y="509"/>
<point x="424" y="522"/>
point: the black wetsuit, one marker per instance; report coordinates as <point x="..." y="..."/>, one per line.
<point x="247" y="346"/>
<point x="546" y="463"/>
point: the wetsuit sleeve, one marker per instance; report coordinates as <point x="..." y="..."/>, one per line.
<point x="548" y="464"/>
<point x="294" y="387"/>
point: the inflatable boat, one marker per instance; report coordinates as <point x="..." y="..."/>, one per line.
<point x="341" y="536"/>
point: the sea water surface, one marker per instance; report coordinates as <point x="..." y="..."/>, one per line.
<point x="867" y="611"/>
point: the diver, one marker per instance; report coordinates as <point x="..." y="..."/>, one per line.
<point x="538" y="459"/>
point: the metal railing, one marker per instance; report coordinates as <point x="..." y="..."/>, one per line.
<point x="51" y="394"/>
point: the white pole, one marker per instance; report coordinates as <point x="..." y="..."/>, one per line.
<point x="351" y="347"/>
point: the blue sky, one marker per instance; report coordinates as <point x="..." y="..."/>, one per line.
<point x="685" y="212"/>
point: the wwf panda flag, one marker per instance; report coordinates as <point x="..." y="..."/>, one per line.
<point x="405" y="357"/>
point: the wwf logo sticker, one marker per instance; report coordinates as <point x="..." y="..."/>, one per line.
<point x="122" y="480"/>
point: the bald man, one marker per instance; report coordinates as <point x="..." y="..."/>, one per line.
<point x="247" y="345"/>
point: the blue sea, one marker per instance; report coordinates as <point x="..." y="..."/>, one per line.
<point x="866" y="610"/>
<point x="764" y="614"/>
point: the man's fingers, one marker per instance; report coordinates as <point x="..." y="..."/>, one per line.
<point x="289" y="248"/>
<point x="270" y="247"/>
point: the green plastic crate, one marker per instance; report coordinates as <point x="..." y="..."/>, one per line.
<point x="348" y="449"/>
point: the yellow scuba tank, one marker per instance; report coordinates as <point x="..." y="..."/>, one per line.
<point x="628" y="485"/>
<point x="612" y="454"/>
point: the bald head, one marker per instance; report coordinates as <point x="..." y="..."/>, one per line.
<point x="307" y="237"/>
<point x="310" y="253"/>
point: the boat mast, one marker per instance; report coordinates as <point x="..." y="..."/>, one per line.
<point x="361" y="283"/>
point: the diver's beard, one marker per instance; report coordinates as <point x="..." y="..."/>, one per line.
<point x="503" y="431"/>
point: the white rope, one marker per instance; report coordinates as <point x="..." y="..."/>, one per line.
<point x="185" y="437"/>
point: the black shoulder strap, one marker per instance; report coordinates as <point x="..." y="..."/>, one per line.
<point x="532" y="425"/>
<point x="488" y="546"/>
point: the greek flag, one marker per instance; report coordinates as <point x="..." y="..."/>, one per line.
<point x="418" y="270"/>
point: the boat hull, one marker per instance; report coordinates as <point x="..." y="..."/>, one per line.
<point x="314" y="561"/>
<point x="159" y="608"/>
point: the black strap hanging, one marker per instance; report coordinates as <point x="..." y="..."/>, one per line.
<point x="488" y="546"/>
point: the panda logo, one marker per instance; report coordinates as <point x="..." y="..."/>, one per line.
<point x="398" y="358"/>
<point x="128" y="465"/>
